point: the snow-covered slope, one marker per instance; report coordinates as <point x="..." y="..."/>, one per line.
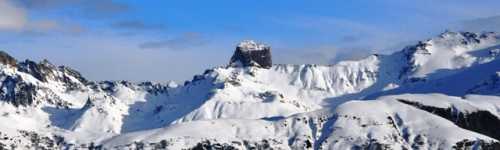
<point x="385" y="123"/>
<point x="362" y="104"/>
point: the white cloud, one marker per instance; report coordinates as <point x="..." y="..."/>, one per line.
<point x="16" y="18"/>
<point x="11" y="16"/>
<point x="48" y="26"/>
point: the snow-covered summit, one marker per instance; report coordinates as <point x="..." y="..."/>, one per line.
<point x="251" y="45"/>
<point x="450" y="51"/>
<point x="253" y="104"/>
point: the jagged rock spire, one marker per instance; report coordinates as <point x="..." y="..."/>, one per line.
<point x="249" y="53"/>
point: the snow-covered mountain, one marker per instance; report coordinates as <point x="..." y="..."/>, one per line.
<point x="440" y="93"/>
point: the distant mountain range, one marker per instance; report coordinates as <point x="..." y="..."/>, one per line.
<point x="441" y="93"/>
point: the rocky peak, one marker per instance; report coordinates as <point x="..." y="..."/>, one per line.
<point x="451" y="47"/>
<point x="47" y="64"/>
<point x="45" y="71"/>
<point x="465" y="38"/>
<point x="74" y="73"/>
<point x="42" y="71"/>
<point x="450" y="39"/>
<point x="250" y="53"/>
<point x="6" y="59"/>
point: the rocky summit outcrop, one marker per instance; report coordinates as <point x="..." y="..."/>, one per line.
<point x="249" y="53"/>
<point x="30" y="83"/>
<point x="349" y="105"/>
<point x="6" y="59"/>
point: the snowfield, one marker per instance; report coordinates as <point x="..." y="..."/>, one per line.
<point x="440" y="93"/>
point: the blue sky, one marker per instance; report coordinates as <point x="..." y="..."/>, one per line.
<point x="173" y="40"/>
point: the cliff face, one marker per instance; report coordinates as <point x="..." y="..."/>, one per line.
<point x="250" y="53"/>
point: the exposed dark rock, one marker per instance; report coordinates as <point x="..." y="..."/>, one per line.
<point x="14" y="91"/>
<point x="88" y="104"/>
<point x="249" y="53"/>
<point x="71" y="72"/>
<point x="154" y="88"/>
<point x="480" y="121"/>
<point x="6" y="59"/>
<point x="108" y="86"/>
<point x="409" y="52"/>
<point x="40" y="71"/>
<point x="211" y="145"/>
<point x="207" y="145"/>
<point x="468" y="37"/>
<point x="372" y="145"/>
<point x="45" y="71"/>
<point x="466" y="144"/>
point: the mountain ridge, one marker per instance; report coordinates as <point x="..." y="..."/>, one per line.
<point x="254" y="105"/>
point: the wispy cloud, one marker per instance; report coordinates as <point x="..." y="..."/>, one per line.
<point x="12" y="17"/>
<point x="181" y="42"/>
<point x="15" y="17"/>
<point x="137" y="25"/>
<point x="344" y="36"/>
<point x="324" y="32"/>
<point x="104" y="7"/>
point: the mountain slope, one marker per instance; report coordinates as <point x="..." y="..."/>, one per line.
<point x="355" y="124"/>
<point x="249" y="103"/>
